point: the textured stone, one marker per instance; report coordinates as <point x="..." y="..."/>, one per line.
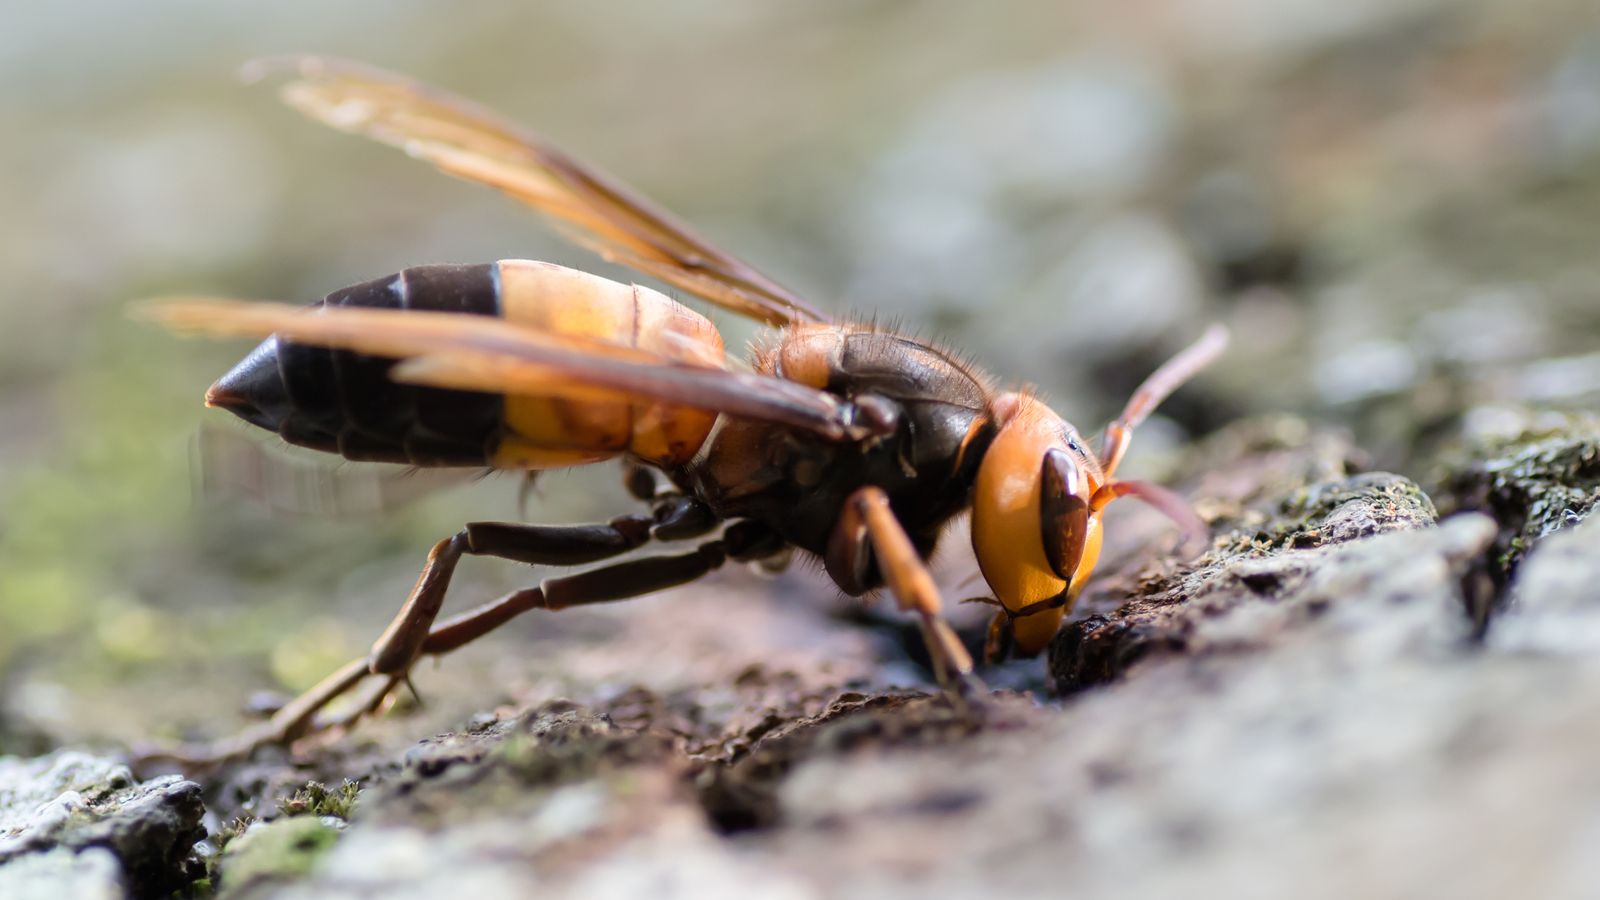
<point x="1281" y="504"/>
<point x="1323" y="704"/>
<point x="74" y="800"/>
<point x="1555" y="607"/>
<point x="90" y="874"/>
<point x="1534" y="482"/>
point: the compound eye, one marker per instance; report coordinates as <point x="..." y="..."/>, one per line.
<point x="1063" y="513"/>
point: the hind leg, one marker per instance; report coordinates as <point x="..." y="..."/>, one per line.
<point x="407" y="636"/>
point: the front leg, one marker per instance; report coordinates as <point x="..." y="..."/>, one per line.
<point x="868" y="530"/>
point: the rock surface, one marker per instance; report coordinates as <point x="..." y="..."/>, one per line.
<point x="70" y="802"/>
<point x="1535" y="481"/>
<point x="91" y="874"/>
<point x="1338" y="698"/>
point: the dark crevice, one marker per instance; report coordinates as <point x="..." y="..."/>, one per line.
<point x="1532" y="484"/>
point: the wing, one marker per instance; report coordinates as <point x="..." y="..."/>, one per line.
<point x="590" y="207"/>
<point x="480" y="353"/>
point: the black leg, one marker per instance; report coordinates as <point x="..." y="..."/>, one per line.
<point x="554" y="545"/>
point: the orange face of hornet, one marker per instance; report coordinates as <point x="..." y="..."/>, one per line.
<point x="1014" y="527"/>
<point x="849" y="442"/>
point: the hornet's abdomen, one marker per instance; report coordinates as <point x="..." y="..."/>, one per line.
<point x="344" y="402"/>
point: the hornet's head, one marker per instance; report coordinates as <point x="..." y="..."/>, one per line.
<point x="1034" y="533"/>
<point x="1040" y="489"/>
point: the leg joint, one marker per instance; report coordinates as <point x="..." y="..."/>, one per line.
<point x="677" y="517"/>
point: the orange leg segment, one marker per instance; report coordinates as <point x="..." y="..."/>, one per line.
<point x="867" y="513"/>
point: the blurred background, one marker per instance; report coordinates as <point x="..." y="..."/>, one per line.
<point x="1392" y="203"/>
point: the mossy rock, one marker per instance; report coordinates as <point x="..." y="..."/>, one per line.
<point x="278" y="851"/>
<point x="1534" y="482"/>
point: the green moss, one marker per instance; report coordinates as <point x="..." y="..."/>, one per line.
<point x="231" y="830"/>
<point x="249" y="851"/>
<point x="317" y="799"/>
<point x="281" y="850"/>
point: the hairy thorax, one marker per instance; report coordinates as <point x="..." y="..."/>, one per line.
<point x="797" y="482"/>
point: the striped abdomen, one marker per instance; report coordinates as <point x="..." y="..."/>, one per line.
<point x="344" y="402"/>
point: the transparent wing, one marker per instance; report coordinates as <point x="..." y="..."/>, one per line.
<point x="592" y="208"/>
<point x="229" y="463"/>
